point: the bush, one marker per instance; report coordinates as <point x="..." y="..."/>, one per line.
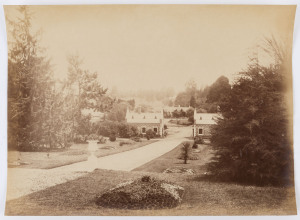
<point x="80" y="139"/>
<point x="112" y="138"/>
<point x="136" y="139"/>
<point x="150" y="134"/>
<point x="195" y="146"/>
<point x="185" y="152"/>
<point x="102" y="140"/>
<point x="93" y="137"/>
<point x="124" y="142"/>
<point x="143" y="193"/>
<point x="120" y="129"/>
<point x="198" y="140"/>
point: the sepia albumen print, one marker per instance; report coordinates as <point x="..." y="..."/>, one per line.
<point x="150" y="110"/>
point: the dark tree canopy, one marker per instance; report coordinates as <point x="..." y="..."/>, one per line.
<point x="252" y="140"/>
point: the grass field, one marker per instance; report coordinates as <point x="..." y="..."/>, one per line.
<point x="201" y="197"/>
<point x="76" y="153"/>
<point x="77" y="197"/>
<point x="170" y="159"/>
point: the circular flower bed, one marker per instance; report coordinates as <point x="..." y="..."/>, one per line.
<point x="144" y="193"/>
<point x="179" y="170"/>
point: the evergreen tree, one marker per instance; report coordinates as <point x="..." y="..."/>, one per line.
<point x="86" y="92"/>
<point x="29" y="86"/>
<point x="252" y="139"/>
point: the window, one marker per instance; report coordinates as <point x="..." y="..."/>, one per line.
<point x="132" y="117"/>
<point x="200" y="118"/>
<point x="143" y="130"/>
<point x="155" y="130"/>
<point x="200" y="131"/>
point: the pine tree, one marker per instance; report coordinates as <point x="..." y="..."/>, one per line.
<point x="252" y="140"/>
<point x="29" y="74"/>
<point x="86" y="93"/>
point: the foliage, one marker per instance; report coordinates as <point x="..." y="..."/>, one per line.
<point x="252" y="140"/>
<point x="136" y="139"/>
<point x="118" y="111"/>
<point x="34" y="118"/>
<point x="124" y="142"/>
<point x="112" y="138"/>
<point x="193" y="101"/>
<point x="143" y="193"/>
<point x="198" y="140"/>
<point x="120" y="129"/>
<point x="93" y="137"/>
<point x="195" y="146"/>
<point x="150" y="134"/>
<point x="219" y="90"/>
<point x="185" y="152"/>
<point x="85" y="92"/>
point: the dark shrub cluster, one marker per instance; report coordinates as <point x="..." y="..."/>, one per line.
<point x="119" y="129"/>
<point x="112" y="138"/>
<point x="143" y="193"/>
<point x="198" y="140"/>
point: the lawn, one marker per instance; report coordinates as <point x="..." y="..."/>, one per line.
<point x="201" y="197"/>
<point x="170" y="160"/>
<point x="76" y="153"/>
<point x="77" y="197"/>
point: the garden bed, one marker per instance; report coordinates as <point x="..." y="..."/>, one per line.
<point x="76" y="153"/>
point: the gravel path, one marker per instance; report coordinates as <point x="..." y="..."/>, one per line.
<point x="21" y="181"/>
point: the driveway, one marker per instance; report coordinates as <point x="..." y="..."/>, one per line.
<point x="23" y="181"/>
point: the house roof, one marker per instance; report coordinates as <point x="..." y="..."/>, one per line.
<point x="205" y="118"/>
<point x="134" y="117"/>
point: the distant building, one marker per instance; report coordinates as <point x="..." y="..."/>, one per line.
<point x="146" y="121"/>
<point x="203" y="123"/>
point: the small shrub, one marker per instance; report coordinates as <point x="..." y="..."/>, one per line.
<point x="124" y="142"/>
<point x="102" y="140"/>
<point x="165" y="133"/>
<point x="136" y="139"/>
<point x="150" y="134"/>
<point x="199" y="140"/>
<point x="112" y="138"/>
<point x="93" y="137"/>
<point x="185" y="151"/>
<point x="146" y="179"/>
<point x="195" y="146"/>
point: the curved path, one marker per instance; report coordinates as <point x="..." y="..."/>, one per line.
<point x="23" y="181"/>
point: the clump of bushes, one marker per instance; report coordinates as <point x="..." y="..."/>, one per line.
<point x="124" y="142"/>
<point x="185" y="152"/>
<point x="119" y="129"/>
<point x="195" y="146"/>
<point x="136" y="139"/>
<point x="150" y="134"/>
<point x="143" y="193"/>
<point x="198" y="140"/>
<point x="112" y="138"/>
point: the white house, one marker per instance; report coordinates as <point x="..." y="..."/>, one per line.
<point x="203" y="123"/>
<point x="146" y="121"/>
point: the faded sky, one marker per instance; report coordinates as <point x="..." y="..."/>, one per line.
<point x="155" y="46"/>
